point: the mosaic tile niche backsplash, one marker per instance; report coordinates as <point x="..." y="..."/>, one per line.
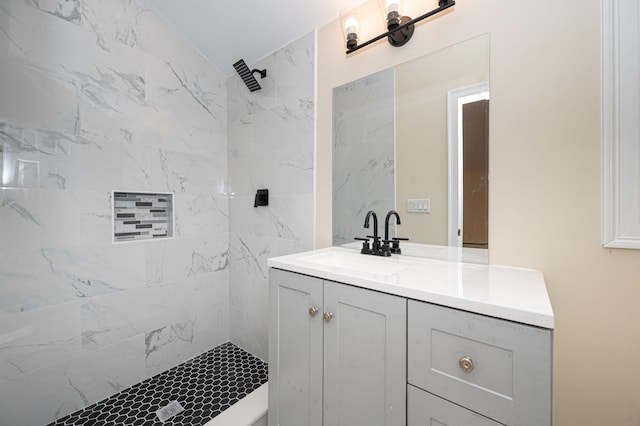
<point x="142" y="216"/>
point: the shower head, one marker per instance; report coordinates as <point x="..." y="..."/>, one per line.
<point x="247" y="76"/>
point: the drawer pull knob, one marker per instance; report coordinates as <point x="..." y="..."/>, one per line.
<point x="327" y="316"/>
<point x="313" y="311"/>
<point x="466" y="363"/>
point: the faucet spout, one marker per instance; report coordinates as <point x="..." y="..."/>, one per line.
<point x="386" y="222"/>
<point x="375" y="224"/>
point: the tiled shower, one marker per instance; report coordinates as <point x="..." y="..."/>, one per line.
<point x="99" y="96"/>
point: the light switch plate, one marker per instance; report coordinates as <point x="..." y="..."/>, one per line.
<point x="418" y="205"/>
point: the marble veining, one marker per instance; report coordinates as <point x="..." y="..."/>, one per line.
<point x="104" y="95"/>
<point x="69" y="10"/>
<point x="363" y="153"/>
<point x="259" y="157"/>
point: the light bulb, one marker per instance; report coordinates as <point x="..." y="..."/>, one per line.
<point x="351" y="25"/>
<point x="393" y="6"/>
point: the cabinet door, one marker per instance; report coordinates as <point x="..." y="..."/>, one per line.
<point x="364" y="357"/>
<point x="425" y="409"/>
<point x="295" y="349"/>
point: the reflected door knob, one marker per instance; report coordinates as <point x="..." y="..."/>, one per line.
<point x="327" y="316"/>
<point x="313" y="311"/>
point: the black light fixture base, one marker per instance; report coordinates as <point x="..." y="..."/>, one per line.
<point x="402" y="36"/>
<point x="399" y="35"/>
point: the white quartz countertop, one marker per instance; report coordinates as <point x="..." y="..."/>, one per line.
<point x="510" y="293"/>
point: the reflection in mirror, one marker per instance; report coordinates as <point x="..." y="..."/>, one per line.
<point x="468" y="118"/>
<point x="363" y="151"/>
<point x="396" y="139"/>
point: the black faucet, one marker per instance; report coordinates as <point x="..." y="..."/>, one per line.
<point x="376" y="244"/>
<point x="386" y="222"/>
<point x="376" y="248"/>
<point x="395" y="248"/>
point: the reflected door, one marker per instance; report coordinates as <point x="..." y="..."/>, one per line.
<point x="475" y="148"/>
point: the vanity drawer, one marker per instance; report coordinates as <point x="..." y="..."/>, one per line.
<point x="424" y="409"/>
<point x="494" y="367"/>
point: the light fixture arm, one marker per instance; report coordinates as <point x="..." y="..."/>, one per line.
<point x="389" y="34"/>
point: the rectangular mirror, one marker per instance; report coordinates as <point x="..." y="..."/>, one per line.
<point x="415" y="138"/>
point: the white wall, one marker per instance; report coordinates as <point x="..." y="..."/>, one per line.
<point x="104" y="95"/>
<point x="544" y="206"/>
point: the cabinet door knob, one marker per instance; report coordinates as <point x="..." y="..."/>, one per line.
<point x="327" y="316"/>
<point x="466" y="363"/>
<point x="313" y="311"/>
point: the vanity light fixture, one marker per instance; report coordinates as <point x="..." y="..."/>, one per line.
<point x="399" y="28"/>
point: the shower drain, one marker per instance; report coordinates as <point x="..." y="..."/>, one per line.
<point x="171" y="409"/>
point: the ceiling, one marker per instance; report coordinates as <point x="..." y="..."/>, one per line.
<point x="225" y="31"/>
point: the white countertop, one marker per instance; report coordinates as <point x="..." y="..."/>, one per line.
<point x="510" y="293"/>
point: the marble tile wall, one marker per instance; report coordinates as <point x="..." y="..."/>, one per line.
<point x="271" y="139"/>
<point x="95" y="96"/>
<point x="363" y="155"/>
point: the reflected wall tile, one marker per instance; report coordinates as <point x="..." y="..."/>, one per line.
<point x="64" y="388"/>
<point x="38" y="338"/>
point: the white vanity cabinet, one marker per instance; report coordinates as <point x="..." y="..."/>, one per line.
<point x="356" y="340"/>
<point x="337" y="354"/>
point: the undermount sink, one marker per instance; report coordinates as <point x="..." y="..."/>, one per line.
<point x="359" y="262"/>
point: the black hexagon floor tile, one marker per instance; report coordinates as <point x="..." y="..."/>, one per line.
<point x="204" y="386"/>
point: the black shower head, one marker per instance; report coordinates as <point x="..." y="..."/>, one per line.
<point x="247" y="76"/>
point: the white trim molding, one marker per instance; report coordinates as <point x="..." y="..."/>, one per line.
<point x="621" y="124"/>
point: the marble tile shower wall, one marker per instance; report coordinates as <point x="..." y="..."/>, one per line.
<point x="97" y="95"/>
<point x="271" y="137"/>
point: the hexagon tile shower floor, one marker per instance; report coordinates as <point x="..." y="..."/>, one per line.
<point x="204" y="386"/>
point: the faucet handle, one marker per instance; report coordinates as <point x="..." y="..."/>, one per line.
<point x="365" y="245"/>
<point x="395" y="248"/>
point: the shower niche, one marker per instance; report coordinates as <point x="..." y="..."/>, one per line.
<point x="141" y="216"/>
